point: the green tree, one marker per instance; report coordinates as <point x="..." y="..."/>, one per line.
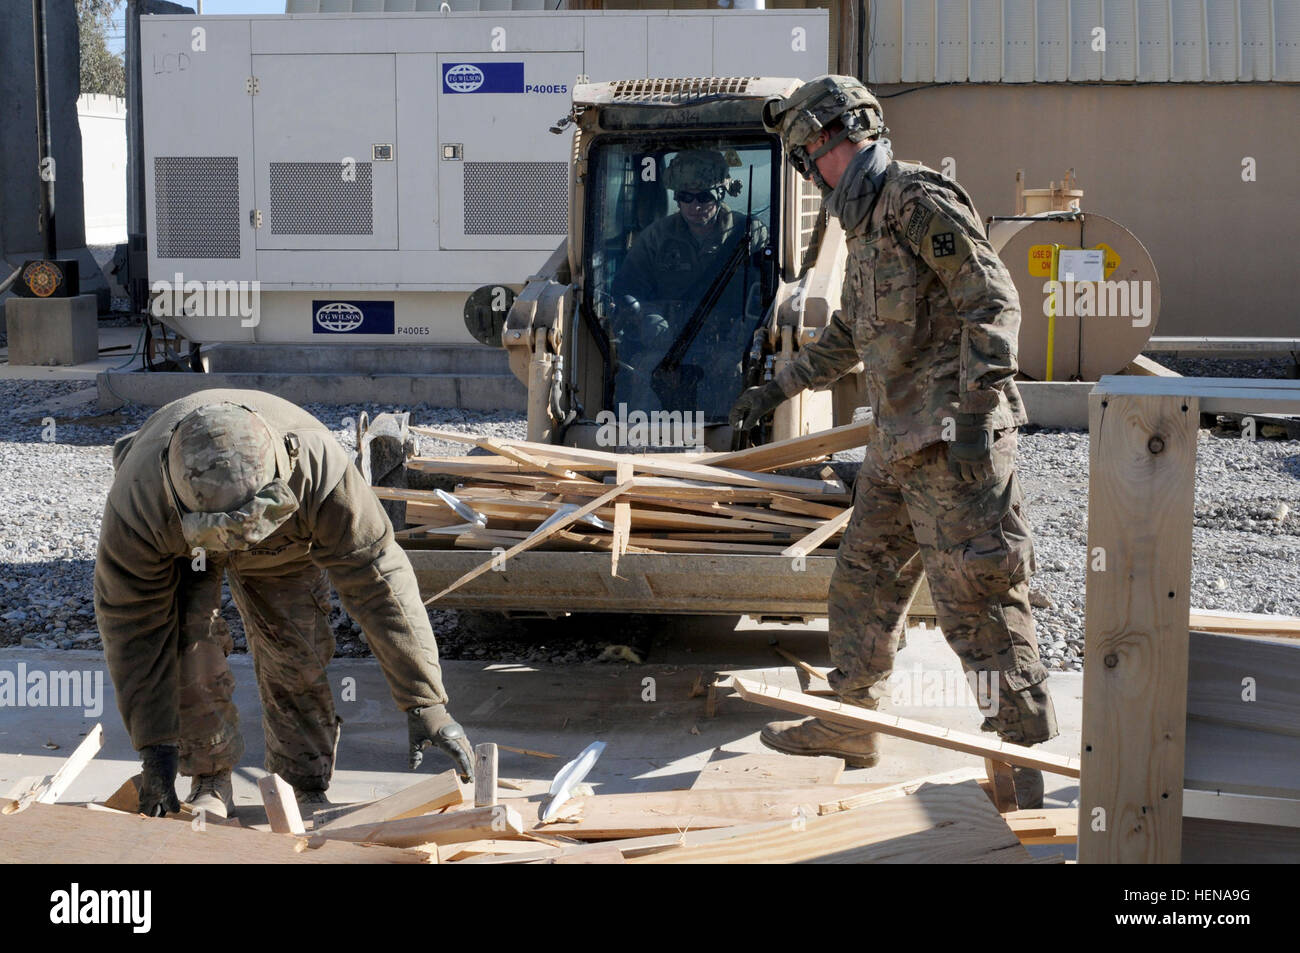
<point x="102" y="71"/>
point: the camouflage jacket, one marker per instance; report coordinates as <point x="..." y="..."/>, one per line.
<point x="339" y="526"/>
<point x="929" y="310"/>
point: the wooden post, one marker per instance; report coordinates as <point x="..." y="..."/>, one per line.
<point x="281" y="805"/>
<point x="485" y="775"/>
<point x="1140" y="495"/>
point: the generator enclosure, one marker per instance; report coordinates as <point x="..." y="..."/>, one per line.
<point x="368" y="171"/>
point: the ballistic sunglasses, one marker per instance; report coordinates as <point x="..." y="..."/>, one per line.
<point x="703" y="198"/>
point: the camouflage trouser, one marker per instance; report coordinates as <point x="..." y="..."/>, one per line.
<point x="286" y="619"/>
<point x="973" y="543"/>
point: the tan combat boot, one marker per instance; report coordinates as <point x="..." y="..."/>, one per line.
<point x="812" y="736"/>
<point x="212" y="794"/>
<point x="311" y="799"/>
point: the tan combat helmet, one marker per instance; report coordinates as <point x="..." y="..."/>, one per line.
<point x="799" y="117"/>
<point x="219" y="456"/>
<point x="700" y="170"/>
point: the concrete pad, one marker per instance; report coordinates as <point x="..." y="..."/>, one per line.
<point x="658" y="736"/>
<point x="52" y="330"/>
<point x="1061" y="404"/>
<point x="116" y="346"/>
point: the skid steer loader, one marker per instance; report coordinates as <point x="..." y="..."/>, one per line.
<point x="581" y="346"/>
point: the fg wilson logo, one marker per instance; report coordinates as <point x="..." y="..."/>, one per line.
<point x="339" y="316"/>
<point x="464" y="77"/>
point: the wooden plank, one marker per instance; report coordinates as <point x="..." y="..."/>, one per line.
<point x="73" y="766"/>
<point x="450" y="853"/>
<point x="281" y="805"/>
<point x="1140" y="492"/>
<point x="1055" y="825"/>
<point x="622" y="520"/>
<point x="1146" y="366"/>
<point x="475" y="823"/>
<point x="781" y="453"/>
<point x="941" y="737"/>
<point x="485" y="774"/>
<point x="127" y="796"/>
<point x="1002" y="785"/>
<point x="1244" y="623"/>
<point x="526" y="460"/>
<point x="1241" y="760"/>
<point x="1245" y="682"/>
<point x="535" y="540"/>
<point x="734" y="769"/>
<point x="62" y="834"/>
<point x="887" y="791"/>
<point x="666" y="490"/>
<point x="431" y="794"/>
<point x="820" y="535"/>
<point x="938" y="824"/>
<point x="1242" y="808"/>
<point x="792" y="504"/>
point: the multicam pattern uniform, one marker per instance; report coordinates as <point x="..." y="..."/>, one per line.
<point x="157" y="608"/>
<point x="933" y="315"/>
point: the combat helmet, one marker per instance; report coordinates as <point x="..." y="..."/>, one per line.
<point x="701" y="170"/>
<point x="226" y="468"/>
<point x="799" y="117"/>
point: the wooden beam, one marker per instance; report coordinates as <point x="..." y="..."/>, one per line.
<point x="887" y="791"/>
<point x="1002" y="785"/>
<point x="1145" y="366"/>
<point x="1055" y="825"/>
<point x="793" y="504"/>
<point x="281" y="805"/>
<point x="485" y="774"/>
<point x="622" y="520"/>
<point x="535" y="540"/>
<point x="820" y="535"/>
<point x="1140" y="492"/>
<point x="924" y="732"/>
<point x="794" y="450"/>
<point x="431" y="794"/>
<point x="475" y="823"/>
<point x="1244" y="623"/>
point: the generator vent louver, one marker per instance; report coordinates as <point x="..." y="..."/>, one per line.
<point x="678" y="90"/>
<point x="321" y="198"/>
<point x="516" y="198"/>
<point x="196" y="206"/>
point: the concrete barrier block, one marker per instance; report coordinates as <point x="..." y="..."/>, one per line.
<point x="52" y="330"/>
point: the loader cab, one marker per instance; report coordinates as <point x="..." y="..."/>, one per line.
<point x="675" y="287"/>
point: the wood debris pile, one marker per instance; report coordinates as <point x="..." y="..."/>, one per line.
<point x="522" y="495"/>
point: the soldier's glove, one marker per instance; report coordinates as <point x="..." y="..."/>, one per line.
<point x="158" y="784"/>
<point x="433" y="726"/>
<point x="970" y="454"/>
<point x="755" y="404"/>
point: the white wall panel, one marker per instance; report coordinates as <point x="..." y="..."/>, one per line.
<point x="1255" y="40"/>
<point x="1085" y="61"/>
<point x="1187" y="29"/>
<point x="985" y="41"/>
<point x="1221" y="40"/>
<point x="1019" y="40"/>
<point x="1286" y="41"/>
<point x="885" y="34"/>
<point x="1053" y="58"/>
<point x="952" y="56"/>
<point x="1120" y="59"/>
<point x="918" y="41"/>
<point x="1153" y="41"/>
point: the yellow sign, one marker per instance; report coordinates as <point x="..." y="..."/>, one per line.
<point x="1040" y="259"/>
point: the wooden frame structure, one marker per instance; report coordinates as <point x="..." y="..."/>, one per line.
<point x="1146" y="738"/>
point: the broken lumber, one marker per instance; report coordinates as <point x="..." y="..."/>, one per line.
<point x="782" y="453"/>
<point x="820" y="535"/>
<point x="281" y="805"/>
<point x="1055" y="825"/>
<point x="49" y="790"/>
<point x="485" y="774"/>
<point x="924" y="732"/>
<point x="475" y="823"/>
<point x="431" y="794"/>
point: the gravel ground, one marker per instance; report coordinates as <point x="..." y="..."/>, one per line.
<point x="1246" y="532"/>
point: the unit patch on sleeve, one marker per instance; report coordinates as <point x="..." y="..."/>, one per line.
<point x="918" y="223"/>
<point x="943" y="244"/>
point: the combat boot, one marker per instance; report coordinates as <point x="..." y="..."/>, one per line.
<point x="313" y="799"/>
<point x="1029" y="787"/>
<point x="212" y="794"/>
<point x="812" y="736"/>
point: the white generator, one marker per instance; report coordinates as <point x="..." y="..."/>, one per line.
<point x="349" y="179"/>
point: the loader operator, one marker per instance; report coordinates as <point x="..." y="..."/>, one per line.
<point x="933" y="315"/>
<point x="667" y="272"/>
<point x="246" y="484"/>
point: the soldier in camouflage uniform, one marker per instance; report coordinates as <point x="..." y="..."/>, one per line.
<point x="932" y="314"/>
<point x="666" y="273"/>
<point x="247" y="484"/>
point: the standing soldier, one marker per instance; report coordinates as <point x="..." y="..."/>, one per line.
<point x="932" y="314"/>
<point x="245" y="483"/>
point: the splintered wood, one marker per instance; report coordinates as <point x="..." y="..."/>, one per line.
<point x="521" y="495"/>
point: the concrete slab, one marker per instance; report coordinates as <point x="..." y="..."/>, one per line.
<point x="658" y="736"/>
<point x="1061" y="404"/>
<point x="44" y="331"/>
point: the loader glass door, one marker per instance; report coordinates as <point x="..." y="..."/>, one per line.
<point x="681" y="265"/>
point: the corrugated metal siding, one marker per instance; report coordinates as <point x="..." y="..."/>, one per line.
<point x="1052" y="41"/>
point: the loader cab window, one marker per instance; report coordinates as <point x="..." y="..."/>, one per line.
<point x="681" y="252"/>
